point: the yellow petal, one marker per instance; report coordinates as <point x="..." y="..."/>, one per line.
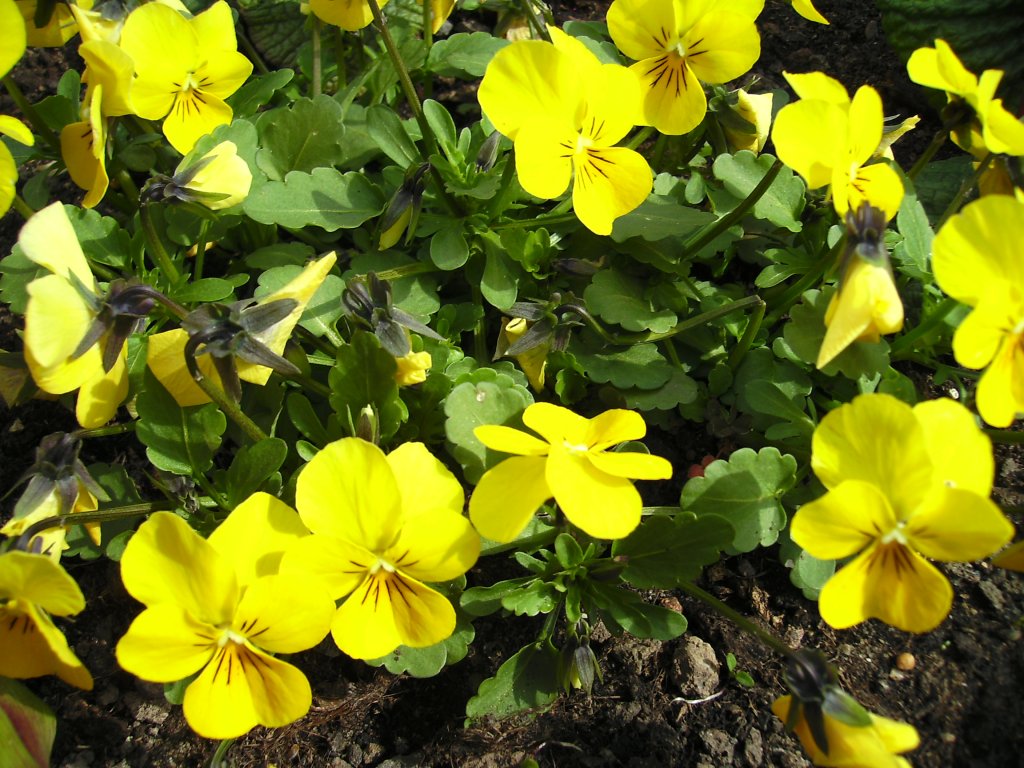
<point x="348" y="491"/>
<point x="225" y="173"/>
<point x="192" y="116"/>
<point x="165" y="50"/>
<point x="722" y="46"/>
<point x="956" y="525"/>
<point x="100" y="396"/>
<point x="165" y="644"/>
<point x="77" y="144"/>
<point x="350" y="15"/>
<point x="629" y="464"/>
<point x="960" y="453"/>
<point x="843" y="521"/>
<point x="608" y="183"/>
<point x="49" y="240"/>
<point x="31" y="646"/>
<point x="412" y="368"/>
<point x="165" y="356"/>
<point x="17" y="130"/>
<point x="56" y="319"/>
<point x="1012" y="557"/>
<point x="168" y="562"/>
<point x="940" y="68"/>
<point x="255" y="535"/>
<point x="999" y="394"/>
<point x="819" y="86"/>
<point x="805" y="137"/>
<point x="673" y="101"/>
<point x="557" y="424"/>
<point x="806" y="9"/>
<point x="507" y="496"/>
<point x="38" y="580"/>
<point x="602" y="505"/>
<point x="340" y="566"/>
<point x="243" y="687"/>
<point x="284" y="613"/>
<point x="509" y="440"/>
<point x="1004" y="132"/>
<point x="215" y="28"/>
<point x="436" y="545"/>
<point x="639" y="28"/>
<point x="614" y="103"/>
<point x="544" y="152"/>
<point x="888" y="582"/>
<point x="12" y="44"/>
<point x="112" y="69"/>
<point x="613" y="427"/>
<point x="424" y="482"/>
<point x="866" y="306"/>
<point x="876" y="184"/>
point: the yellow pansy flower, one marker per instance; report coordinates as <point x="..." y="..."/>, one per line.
<point x="756" y="109"/>
<point x="219" y="607"/>
<point x="12" y="47"/>
<point x="32" y="588"/>
<point x="677" y="45"/>
<point x="58" y="317"/>
<point x="830" y="140"/>
<point x="219" y="179"/>
<point x="83" y="147"/>
<point x="184" y="69"/>
<point x="51" y="542"/>
<point x="60" y="28"/>
<point x="569" y="462"/>
<point x="877" y="745"/>
<point x="382" y="526"/>
<point x="350" y="15"/>
<point x="903" y="484"/>
<point x="976" y="258"/>
<point x="565" y="112"/>
<point x="412" y="368"/>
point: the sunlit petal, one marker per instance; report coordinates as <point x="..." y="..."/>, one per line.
<point x="31" y="646"/>
<point x="673" y="100"/>
<point x="12" y="44"/>
<point x="818" y="86"/>
<point x="636" y="466"/>
<point x="608" y="183"/>
<point x="999" y="394"/>
<point x="544" y="157"/>
<point x="49" y="240"/>
<point x="805" y="136"/>
<point x="339" y="565"/>
<point x="284" y="613"/>
<point x="642" y="28"/>
<point x="509" y="440"/>
<point x="193" y="115"/>
<point x="507" y="496"/>
<point x="255" y="535"/>
<point x="556" y="424"/>
<point x="428" y="484"/>
<point x="602" y="505"/>
<point x="436" y="545"/>
<point x="350" y="15"/>
<point x="165" y="356"/>
<point x="960" y="453"/>
<point x="56" y="319"/>
<point x="101" y="394"/>
<point x="613" y="427"/>
<point x="957" y="525"/>
<point x="165" y="643"/>
<point x="722" y="45"/>
<point x="843" y="521"/>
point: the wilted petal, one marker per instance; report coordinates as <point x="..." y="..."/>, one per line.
<point x="507" y="496"/>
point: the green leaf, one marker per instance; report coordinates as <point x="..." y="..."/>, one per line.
<point x="912" y="253"/>
<point x="252" y="466"/>
<point x="528" y="680"/>
<point x="448" y="247"/>
<point x="325" y="198"/>
<point x="277" y="30"/>
<point x="657" y="218"/>
<point x="206" y="289"/>
<point x="807" y="572"/>
<point x="471" y="404"/>
<point x="500" y="282"/>
<point x="27" y="727"/>
<point x="786" y="263"/>
<point x="416" y="294"/>
<point x="936" y="186"/>
<point x="305" y="419"/>
<point x="680" y="389"/>
<point x="178" y="440"/>
<point x="103" y="239"/>
<point x="304" y="137"/>
<point x="16" y="272"/>
<point x="364" y="374"/>
<point x="623" y="299"/>
<point x="568" y="551"/>
<point x="624" y="610"/>
<point x="443" y="127"/>
<point x="534" y="598"/>
<point x="324" y="307"/>
<point x="664" y="551"/>
<point x="782" y="202"/>
<point x="640" y="365"/>
<point x="113" y="478"/>
<point x="389" y="133"/>
<point x="483" y="601"/>
<point x="429" y="661"/>
<point x="746" y="491"/>
<point x="260" y="89"/>
<point x="463" y="55"/>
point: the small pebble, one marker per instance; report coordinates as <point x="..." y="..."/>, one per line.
<point x="906" y="662"/>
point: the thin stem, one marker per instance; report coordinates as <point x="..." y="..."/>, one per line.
<point x="527" y="544"/>
<point x="1004" y="437"/>
<point x="207" y="487"/>
<point x="641" y="136"/>
<point x="112" y="429"/>
<point x="708" y="234"/>
<point x="204" y="232"/>
<point x="753" y="326"/>
<point x="539" y="221"/>
<point x="38" y="125"/>
<point x="26" y="210"/>
<point x="128" y="185"/>
<point x="737" y="618"/>
<point x="339" y="57"/>
<point x="809" y="278"/>
<point x="309" y="383"/>
<point x="534" y="21"/>
<point x="218" y="760"/>
<point x="397" y="273"/>
<point x="230" y="407"/>
<point x="155" y="246"/>
<point x="317" y="84"/>
<point x="413" y="99"/>
<point x="969" y="182"/>
<point x="938" y="140"/>
<point x="685" y="325"/>
<point x="906" y="342"/>
<point x="82" y="518"/>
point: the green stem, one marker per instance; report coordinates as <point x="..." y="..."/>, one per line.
<point x="82" y="518"/>
<point x="539" y="221"/>
<point x="317" y="84"/>
<point x="112" y="429"/>
<point x="753" y="326"/>
<point x="311" y="384"/>
<point x="251" y="52"/>
<point x="641" y="136"/>
<point x="1004" y="437"/>
<point x="527" y="544"/>
<point x="26" y="210"/>
<point x="766" y="637"/>
<point x="39" y="127"/>
<point x="428" y="41"/>
<point x="218" y="760"/>
<point x="685" y="325"/>
<point x="809" y="278"/>
<point x="207" y="487"/>
<point x="397" y="273"/>
<point x="155" y="246"/>
<point x="204" y="233"/>
<point x="906" y="342"/>
<point x="128" y="185"/>
<point x="716" y="228"/>
<point x="966" y="187"/>
<point x="230" y="408"/>
<point x="535" y="22"/>
<point x="938" y="140"/>
<point x="413" y="99"/>
<point x="316" y="341"/>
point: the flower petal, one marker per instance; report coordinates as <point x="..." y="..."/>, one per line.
<point x="818" y="85"/>
<point x="41" y="581"/>
<point x="243" y="687"/>
<point x="673" y="99"/>
<point x="31" y="646"/>
<point x="509" y="440"/>
<point x="165" y="643"/>
<point x="168" y="562"/>
<point x="424" y="482"/>
<point x="866" y="305"/>
<point x="613" y="427"/>
<point x="602" y="505"/>
<point x="100" y="396"/>
<point x="438" y="545"/>
<point x="49" y="240"/>
<point x="981" y="335"/>
<point x="165" y="356"/>
<point x="960" y="453"/>
<point x="56" y="318"/>
<point x="507" y="496"/>
<point x="889" y="582"/>
<point x="940" y="68"/>
<point x="631" y="464"/>
<point x="805" y="139"/>
<point x="956" y="525"/>
<point x="348" y="491"/>
<point x="350" y="15"/>
<point x="339" y="565"/>
<point x="544" y="151"/>
<point x="608" y="183"/>
<point x="12" y="44"/>
<point x="165" y="49"/>
<point x="556" y="424"/>
<point x="722" y="45"/>
<point x="639" y="27"/>
<point x="255" y="535"/>
<point x="999" y="393"/>
<point x="284" y="613"/>
<point x="843" y="521"/>
<point x="192" y="116"/>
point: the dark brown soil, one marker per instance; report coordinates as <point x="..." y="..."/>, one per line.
<point x="963" y="693"/>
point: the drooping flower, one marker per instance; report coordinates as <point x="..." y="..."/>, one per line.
<point x="12" y="47"/>
<point x="976" y="258"/>
<point x="877" y="745"/>
<point x="83" y="147"/>
<point x="677" y="45"/>
<point x="534" y="360"/>
<point x="987" y="126"/>
<point x="184" y="68"/>
<point x="219" y="179"/>
<point x="755" y="109"/>
<point x="832" y="140"/>
<point x="382" y="526"/>
<point x="565" y="112"/>
<point x="165" y="352"/>
<point x="32" y="588"/>
<point x="56" y="32"/>
<point x="350" y="15"/>
<point x="412" y="368"/>
<point x="866" y="304"/>
<point x="569" y="462"/>
<point x="62" y="310"/>
<point x="220" y="607"/>
<point x="903" y="484"/>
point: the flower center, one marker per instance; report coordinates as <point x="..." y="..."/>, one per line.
<point x="575" y="448"/>
<point x="896" y="535"/>
<point x="228" y="635"/>
<point x="381" y="565"/>
<point x="583" y="143"/>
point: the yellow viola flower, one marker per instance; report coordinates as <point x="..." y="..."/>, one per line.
<point x="382" y="526"/>
<point x="806" y="9"/>
<point x="12" y="44"/>
<point x="565" y="112"/>
<point x="58" y="317"/>
<point x="533" y="361"/>
<point x="976" y="259"/>
<point x="679" y="45"/>
<point x="220" y="607"/>
<point x="165" y="352"/>
<point x="219" y="179"/>
<point x="903" y="484"/>
<point x="830" y="140"/>
<point x="993" y="128"/>
<point x="350" y="15"/>
<point x="756" y="109"/>
<point x="12" y="47"/>
<point x="184" y="69"/>
<point x="877" y="745"/>
<point x="412" y="368"/>
<point x="569" y="462"/>
<point x="32" y="588"/>
<point x="52" y="542"/>
<point x="83" y="146"/>
<point x="58" y="30"/>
